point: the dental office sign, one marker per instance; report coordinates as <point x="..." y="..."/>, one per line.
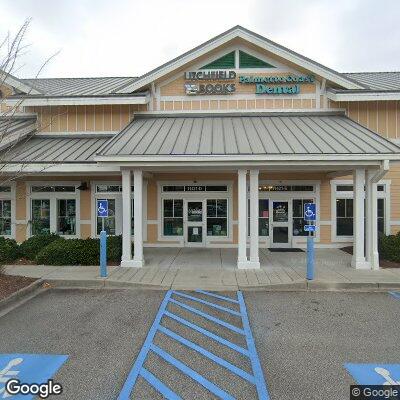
<point x="203" y="82"/>
<point x="289" y="84"/>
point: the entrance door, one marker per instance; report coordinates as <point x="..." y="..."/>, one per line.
<point x="280" y="224"/>
<point x="194" y="230"/>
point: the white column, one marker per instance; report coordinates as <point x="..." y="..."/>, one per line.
<point x="368" y="215"/>
<point x="374" y="254"/>
<point x="126" y="219"/>
<point x="242" y="219"/>
<point x="358" y="260"/>
<point x="254" y="258"/>
<point x="138" y="218"/>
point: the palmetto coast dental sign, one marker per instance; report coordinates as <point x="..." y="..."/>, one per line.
<point x="263" y="83"/>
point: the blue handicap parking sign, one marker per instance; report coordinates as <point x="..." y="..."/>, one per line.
<point x="375" y="374"/>
<point x="310" y="211"/>
<point x="102" y="208"/>
<point x="309" y="228"/>
<point x="28" y="368"/>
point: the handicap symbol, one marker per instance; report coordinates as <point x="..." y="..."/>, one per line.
<point x="101" y="209"/>
<point x="7" y="373"/>
<point x="375" y="374"/>
<point x="384" y="373"/>
<point x="308" y="213"/>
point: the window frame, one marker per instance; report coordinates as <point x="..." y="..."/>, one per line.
<point x="53" y="196"/>
<point x="11" y="196"/>
<point x="117" y="195"/>
<point x="335" y="194"/>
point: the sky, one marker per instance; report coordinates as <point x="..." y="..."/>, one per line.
<point x="131" y="37"/>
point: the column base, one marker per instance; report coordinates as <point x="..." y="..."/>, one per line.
<point x="248" y="265"/>
<point x="360" y="264"/>
<point x="132" y="263"/>
<point x="375" y="261"/>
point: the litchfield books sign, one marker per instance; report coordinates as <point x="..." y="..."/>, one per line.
<point x="262" y="83"/>
<point x="208" y="88"/>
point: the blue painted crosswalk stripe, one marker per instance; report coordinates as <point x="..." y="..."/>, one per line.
<point x="255" y="377"/>
<point x="207" y="303"/>
<point x="209" y="334"/>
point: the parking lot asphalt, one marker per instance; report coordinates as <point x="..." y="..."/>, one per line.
<point x="302" y="340"/>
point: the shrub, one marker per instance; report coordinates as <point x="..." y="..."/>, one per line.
<point x="389" y="247"/>
<point x="79" y="251"/>
<point x="31" y="247"/>
<point x="9" y="250"/>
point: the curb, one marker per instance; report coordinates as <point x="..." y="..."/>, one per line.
<point x="302" y="286"/>
<point x="20" y="294"/>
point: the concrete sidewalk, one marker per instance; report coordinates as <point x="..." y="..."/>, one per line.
<point x="174" y="268"/>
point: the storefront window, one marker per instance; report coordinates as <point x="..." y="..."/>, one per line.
<point x="66" y="216"/>
<point x="381" y="216"/>
<point x="109" y="222"/>
<point x="344" y="217"/>
<point x="263" y="217"/>
<point x="40" y="216"/>
<point x="217" y="215"/>
<point x="263" y="220"/>
<point x="298" y="216"/>
<point x="173" y="217"/>
<point x="5" y="217"/>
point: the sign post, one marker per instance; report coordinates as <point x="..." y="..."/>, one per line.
<point x="310" y="215"/>
<point x="102" y="212"/>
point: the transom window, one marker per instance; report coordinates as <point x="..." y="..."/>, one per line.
<point x="194" y="188"/>
<point x="286" y="188"/>
<point x="110" y="188"/>
<point x="46" y="189"/>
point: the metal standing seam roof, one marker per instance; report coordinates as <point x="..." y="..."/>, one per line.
<point x="246" y="135"/>
<point x="15" y="127"/>
<point x="56" y="149"/>
<point x="77" y="86"/>
<point x="377" y="80"/>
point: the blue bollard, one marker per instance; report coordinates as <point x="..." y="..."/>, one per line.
<point x="103" y="254"/>
<point x="310" y="258"/>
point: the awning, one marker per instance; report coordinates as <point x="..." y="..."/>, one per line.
<point x="246" y="136"/>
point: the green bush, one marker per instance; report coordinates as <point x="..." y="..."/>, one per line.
<point x="31" y="247"/>
<point x="389" y="247"/>
<point x="79" y="251"/>
<point x="9" y="250"/>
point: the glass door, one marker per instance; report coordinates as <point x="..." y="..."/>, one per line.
<point x="280" y="224"/>
<point x="194" y="231"/>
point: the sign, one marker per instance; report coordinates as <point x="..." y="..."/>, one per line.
<point x="219" y="88"/>
<point x="375" y="374"/>
<point x="28" y="368"/>
<point x="210" y="75"/>
<point x="309" y="228"/>
<point x="102" y="208"/>
<point x="310" y="211"/>
<point x="195" y="188"/>
<point x="262" y="88"/>
<point x="209" y="88"/>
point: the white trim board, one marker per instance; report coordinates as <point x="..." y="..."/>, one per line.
<point x="251" y="37"/>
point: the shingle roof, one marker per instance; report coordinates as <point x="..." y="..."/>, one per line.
<point x="377" y="80"/>
<point x="292" y="134"/>
<point x="77" y="86"/>
<point x="14" y="128"/>
<point x="56" y="149"/>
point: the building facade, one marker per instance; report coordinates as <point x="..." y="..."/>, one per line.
<point x="220" y="147"/>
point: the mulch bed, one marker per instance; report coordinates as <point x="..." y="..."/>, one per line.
<point x="10" y="284"/>
<point x="382" y="263"/>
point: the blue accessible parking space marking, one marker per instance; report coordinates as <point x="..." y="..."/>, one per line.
<point x="375" y="374"/>
<point x="396" y="295"/>
<point x="224" y="317"/>
<point x="28" y="368"/>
